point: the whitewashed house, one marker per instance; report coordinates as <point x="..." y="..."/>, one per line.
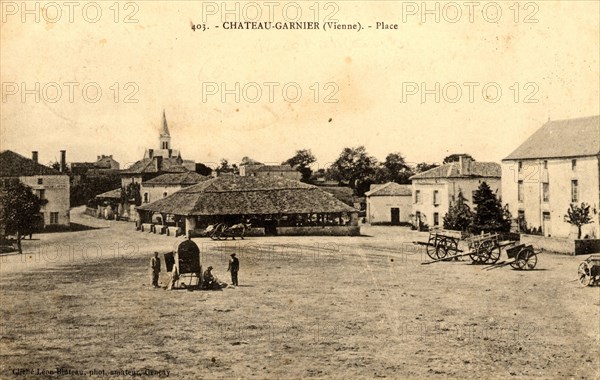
<point x="558" y="165"/>
<point x="168" y="183"/>
<point x="389" y="203"/>
<point x="435" y="190"/>
<point x="50" y="185"/>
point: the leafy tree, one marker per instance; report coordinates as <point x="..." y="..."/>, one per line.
<point x="87" y="188"/>
<point x="131" y="194"/>
<point x="489" y="216"/>
<point x="56" y="166"/>
<point x="459" y="216"/>
<point x="455" y="158"/>
<point x="356" y="168"/>
<point x="203" y="169"/>
<point x="302" y="161"/>
<point x="20" y="214"/>
<point x="424" y="166"/>
<point x="579" y="216"/>
<point x="226" y="168"/>
<point x="394" y="169"/>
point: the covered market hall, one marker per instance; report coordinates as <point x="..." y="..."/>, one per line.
<point x="271" y="205"/>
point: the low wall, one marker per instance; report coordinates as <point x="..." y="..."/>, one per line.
<point x="254" y="231"/>
<point x="90" y="211"/>
<point x="553" y="244"/>
<point x="319" y="231"/>
<point x="587" y="246"/>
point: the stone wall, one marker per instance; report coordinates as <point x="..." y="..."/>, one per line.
<point x="587" y="246"/>
<point x="552" y="244"/>
<point x="319" y="231"/>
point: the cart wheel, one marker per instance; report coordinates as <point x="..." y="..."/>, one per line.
<point x="515" y="264"/>
<point x="441" y="251"/>
<point x="488" y="253"/>
<point x="431" y="248"/>
<point x="493" y="254"/>
<point x="450" y="248"/>
<point x="530" y="260"/>
<point x="585" y="275"/>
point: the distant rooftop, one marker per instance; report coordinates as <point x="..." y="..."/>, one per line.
<point x="14" y="165"/>
<point x="389" y="189"/>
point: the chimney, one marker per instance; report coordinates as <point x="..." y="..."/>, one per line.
<point x="158" y="163"/>
<point x="464" y="165"/>
<point x="63" y="161"/>
<point x="34" y="156"/>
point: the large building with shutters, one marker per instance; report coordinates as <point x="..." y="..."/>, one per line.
<point x="555" y="167"/>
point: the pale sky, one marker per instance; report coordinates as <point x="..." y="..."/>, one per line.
<point x="171" y="65"/>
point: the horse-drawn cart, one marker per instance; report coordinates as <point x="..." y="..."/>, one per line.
<point x="589" y="271"/>
<point x="222" y="231"/>
<point x="442" y="245"/>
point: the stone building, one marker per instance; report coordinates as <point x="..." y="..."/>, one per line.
<point x="435" y="190"/>
<point x="555" y="167"/>
<point x="389" y="203"/>
<point x="50" y="185"/>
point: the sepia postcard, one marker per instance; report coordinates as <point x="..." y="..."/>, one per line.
<point x="328" y="189"/>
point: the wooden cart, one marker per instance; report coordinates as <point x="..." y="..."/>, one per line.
<point x="485" y="249"/>
<point x="222" y="231"/>
<point x="184" y="264"/>
<point x="589" y="271"/>
<point x="442" y="244"/>
<point x="520" y="257"/>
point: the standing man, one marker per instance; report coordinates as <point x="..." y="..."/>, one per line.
<point x="234" y="267"/>
<point x="155" y="266"/>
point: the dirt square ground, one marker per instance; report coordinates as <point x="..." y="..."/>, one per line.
<point x="321" y="307"/>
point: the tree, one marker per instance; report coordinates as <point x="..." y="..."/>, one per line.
<point x="579" y="216"/>
<point x="489" y="216"/>
<point x="226" y="168"/>
<point x="56" y="166"/>
<point x="87" y="188"/>
<point x="302" y="161"/>
<point x="20" y="213"/>
<point x="203" y="169"/>
<point x="456" y="157"/>
<point x="459" y="216"/>
<point x="131" y="194"/>
<point x="356" y="168"/>
<point x="394" y="169"/>
<point x="424" y="166"/>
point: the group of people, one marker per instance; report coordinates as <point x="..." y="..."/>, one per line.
<point x="209" y="281"/>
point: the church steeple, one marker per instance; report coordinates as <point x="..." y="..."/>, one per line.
<point x="165" y="136"/>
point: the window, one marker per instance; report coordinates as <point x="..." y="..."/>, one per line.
<point x="435" y="197"/>
<point x="417" y="196"/>
<point x="146" y="198"/>
<point x="546" y="192"/>
<point x="41" y="193"/>
<point x="520" y="191"/>
<point x="574" y="191"/>
<point x="40" y="181"/>
<point x="545" y="164"/>
<point x="520" y="166"/>
<point x="165" y="194"/>
<point x="436" y="219"/>
<point x="573" y="164"/>
<point x="53" y="218"/>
